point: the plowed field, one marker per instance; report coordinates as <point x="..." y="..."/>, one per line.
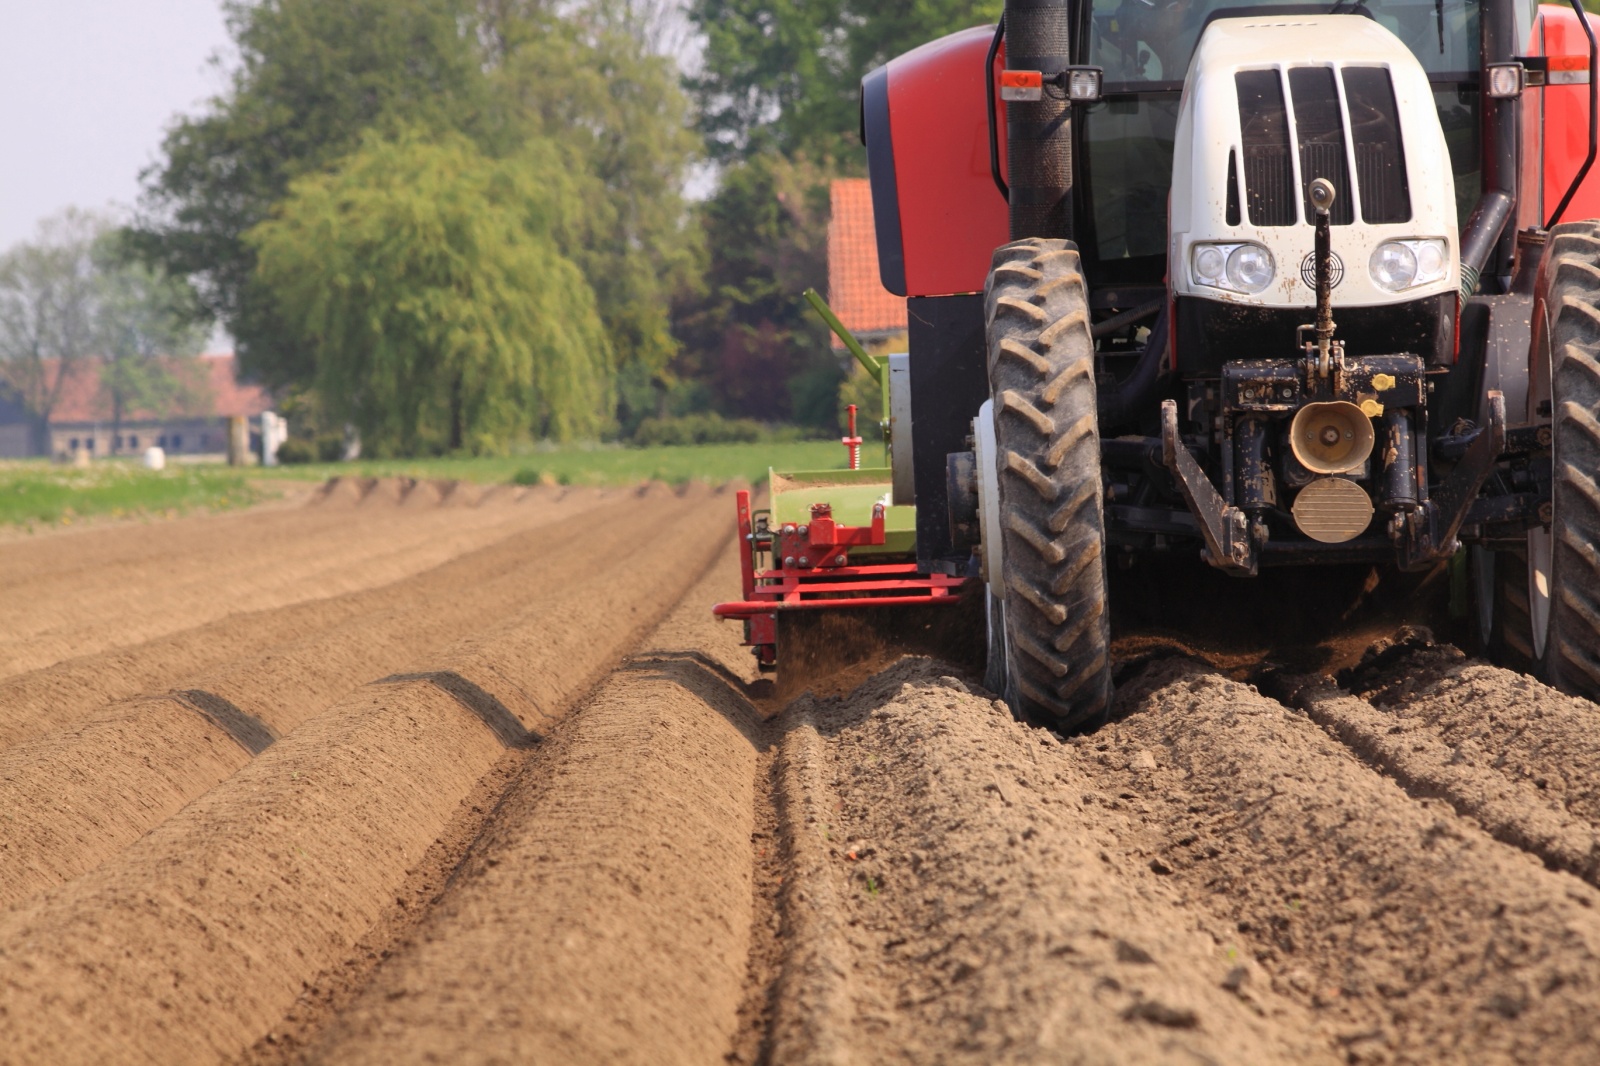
<point x="413" y="773"/>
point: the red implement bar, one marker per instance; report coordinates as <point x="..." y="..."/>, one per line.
<point x="757" y="607"/>
<point x="747" y="537"/>
<point x="852" y="442"/>
<point x="813" y="573"/>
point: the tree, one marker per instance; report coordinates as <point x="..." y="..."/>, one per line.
<point x="786" y="75"/>
<point x="47" y="314"/>
<point x="313" y="77"/>
<point x="316" y="75"/>
<point x="439" y="309"/>
<point x="147" y="332"/>
<point x="590" y="80"/>
<point x="749" y="335"/>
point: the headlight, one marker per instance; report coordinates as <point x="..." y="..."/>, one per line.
<point x="1400" y="265"/>
<point x="1394" y="266"/>
<point x="1246" y="268"/>
<point x="1250" y="268"/>
<point x="1209" y="264"/>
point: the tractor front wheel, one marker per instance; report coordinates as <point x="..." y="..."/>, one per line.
<point x="1056" y="645"/>
<point x="1548" y="598"/>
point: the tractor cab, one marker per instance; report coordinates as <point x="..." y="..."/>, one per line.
<point x="1145" y="49"/>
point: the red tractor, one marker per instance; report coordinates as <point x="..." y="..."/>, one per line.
<point x="1263" y="285"/>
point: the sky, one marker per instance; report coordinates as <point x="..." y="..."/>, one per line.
<point x="87" y="90"/>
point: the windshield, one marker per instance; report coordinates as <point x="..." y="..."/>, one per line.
<point x="1145" y="47"/>
<point x="1147" y="44"/>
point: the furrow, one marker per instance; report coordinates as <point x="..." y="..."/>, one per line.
<point x="1410" y="932"/>
<point x="215" y="567"/>
<point x="952" y="897"/>
<point x="58" y="696"/>
<point x="1513" y="809"/>
<point x="605" y="912"/>
<point x="1517" y="756"/>
<point x="78" y="796"/>
<point x="195" y="941"/>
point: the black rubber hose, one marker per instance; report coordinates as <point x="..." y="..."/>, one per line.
<point x="994" y="116"/>
<point x="1126" y="398"/>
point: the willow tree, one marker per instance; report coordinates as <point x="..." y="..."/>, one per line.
<point x="430" y="284"/>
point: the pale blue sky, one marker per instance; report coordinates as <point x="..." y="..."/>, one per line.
<point x="87" y="89"/>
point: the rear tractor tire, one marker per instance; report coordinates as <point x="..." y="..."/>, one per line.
<point x="1056" y="646"/>
<point x="1547" y="604"/>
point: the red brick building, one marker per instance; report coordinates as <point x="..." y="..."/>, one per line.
<point x="874" y="314"/>
<point x="81" y="421"/>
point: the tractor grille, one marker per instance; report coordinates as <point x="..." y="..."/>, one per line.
<point x="1268" y="169"/>
<point x="1380" y="154"/>
<point x="1324" y="142"/>
<point x="1321" y="129"/>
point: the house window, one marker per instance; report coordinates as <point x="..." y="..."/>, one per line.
<point x="74" y="443"/>
<point x="161" y="441"/>
<point x="88" y="442"/>
<point x="133" y="440"/>
<point x="177" y="441"/>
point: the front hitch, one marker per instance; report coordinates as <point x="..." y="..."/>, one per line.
<point x="1226" y="528"/>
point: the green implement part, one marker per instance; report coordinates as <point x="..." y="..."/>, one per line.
<point x="852" y="494"/>
<point x="876" y="365"/>
<point x="873" y="364"/>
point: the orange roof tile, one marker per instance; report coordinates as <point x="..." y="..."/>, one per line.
<point x="229" y="397"/>
<point x="216" y="393"/>
<point x="855" y="292"/>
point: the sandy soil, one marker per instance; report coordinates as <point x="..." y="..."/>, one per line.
<point x="121" y="771"/>
<point x="470" y="777"/>
<point x="193" y="940"/>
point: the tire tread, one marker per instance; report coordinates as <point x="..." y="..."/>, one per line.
<point x="1041" y="374"/>
<point x="1572" y="651"/>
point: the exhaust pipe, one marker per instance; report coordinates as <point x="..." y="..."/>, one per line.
<point x="1039" y="133"/>
<point x="1481" y="237"/>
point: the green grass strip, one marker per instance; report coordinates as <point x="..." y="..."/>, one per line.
<point x="596" y="465"/>
<point x="38" y="493"/>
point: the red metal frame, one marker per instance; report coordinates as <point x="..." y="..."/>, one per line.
<point x="814" y="574"/>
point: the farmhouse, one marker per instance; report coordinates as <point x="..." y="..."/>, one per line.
<point x="83" y="422"/>
<point x="875" y="315"/>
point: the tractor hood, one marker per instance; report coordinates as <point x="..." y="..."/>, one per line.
<point x="1273" y="102"/>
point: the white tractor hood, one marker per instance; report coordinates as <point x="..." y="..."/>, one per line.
<point x="1258" y="109"/>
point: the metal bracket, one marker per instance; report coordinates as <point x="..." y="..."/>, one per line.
<point x="1430" y="535"/>
<point x="1226" y="529"/>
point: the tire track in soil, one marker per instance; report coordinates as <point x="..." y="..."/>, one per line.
<point x="77" y="797"/>
<point x="604" y="913"/>
<point x="769" y="861"/>
<point x="84" y="593"/>
<point x="1409" y="932"/>
<point x="58" y="696"/>
<point x="194" y="941"/>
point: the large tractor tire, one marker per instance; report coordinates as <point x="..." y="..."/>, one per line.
<point x="1547" y="606"/>
<point x="1057" y="651"/>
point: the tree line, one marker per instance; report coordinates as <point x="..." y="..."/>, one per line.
<point x="76" y="296"/>
<point x="459" y="224"/>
